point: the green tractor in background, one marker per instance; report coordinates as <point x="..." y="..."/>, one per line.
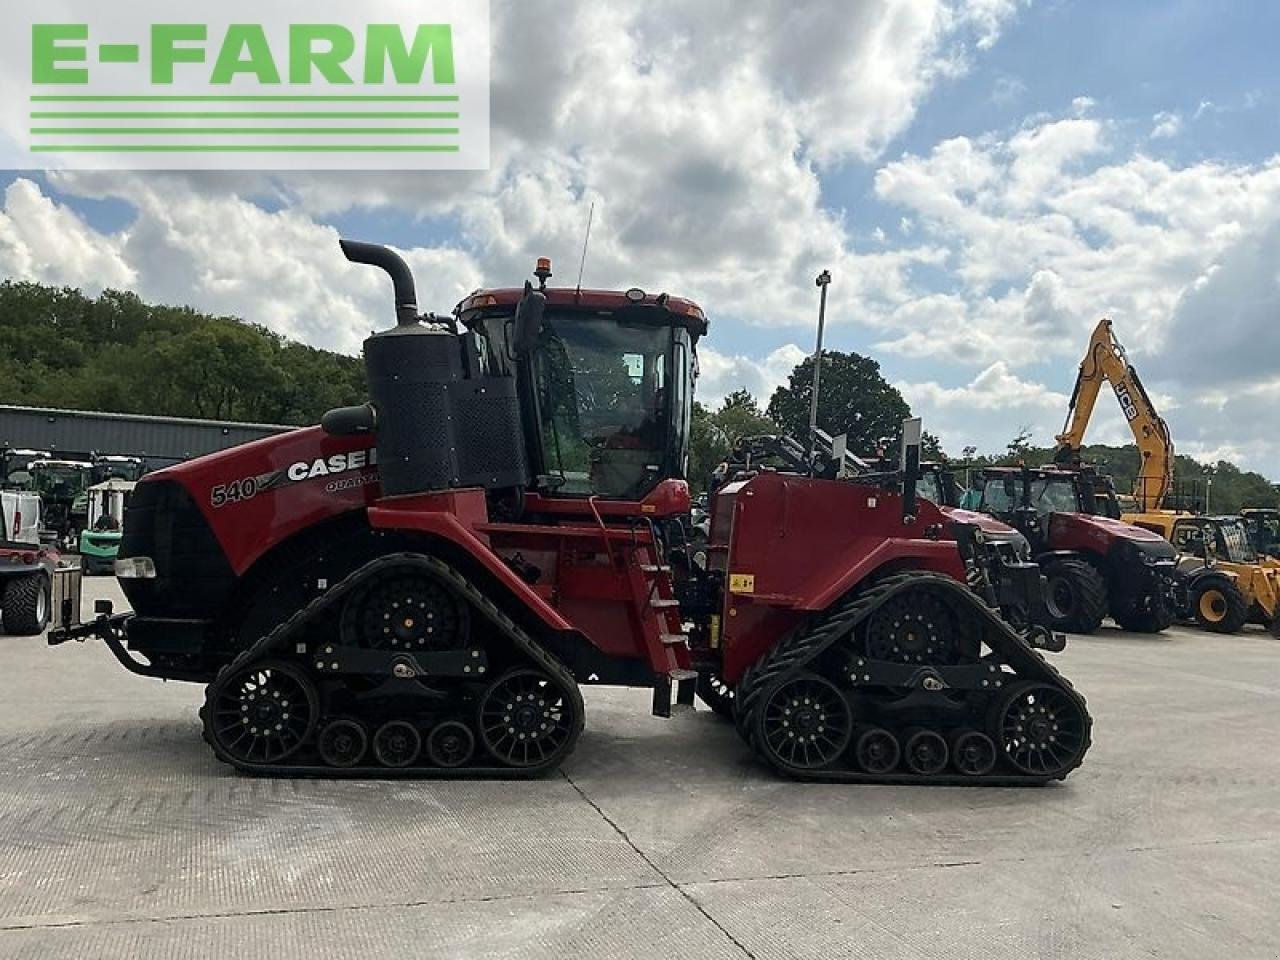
<point x="100" y="539"/>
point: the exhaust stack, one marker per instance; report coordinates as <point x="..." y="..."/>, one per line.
<point x="376" y="255"/>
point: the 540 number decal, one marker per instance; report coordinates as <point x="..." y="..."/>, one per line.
<point x="234" y="492"/>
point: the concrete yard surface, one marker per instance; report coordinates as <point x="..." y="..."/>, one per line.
<point x="121" y="836"/>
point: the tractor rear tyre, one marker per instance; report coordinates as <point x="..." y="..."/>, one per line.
<point x="1218" y="605"/>
<point x="1075" y="594"/>
<point x="24" y="607"/>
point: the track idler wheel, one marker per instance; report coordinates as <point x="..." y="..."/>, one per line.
<point x="526" y="719"/>
<point x="262" y="714"/>
<point x="803" y="722"/>
<point x="1040" y="729"/>
<point x="973" y="753"/>
<point x="396" y="743"/>
<point x="925" y="752"/>
<point x="450" y="744"/>
<point x="342" y="743"/>
<point x="877" y="751"/>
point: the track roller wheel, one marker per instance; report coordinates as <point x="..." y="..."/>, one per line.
<point x="1040" y="729"/>
<point x="877" y="751"/>
<point x="526" y="720"/>
<point x="973" y="753"/>
<point x="925" y="752"/>
<point x="261" y="714"/>
<point x="396" y="744"/>
<point x="342" y="743"/>
<point x="803" y="722"/>
<point x="450" y="744"/>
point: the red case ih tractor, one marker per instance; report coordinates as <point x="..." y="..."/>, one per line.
<point x="420" y="585"/>
<point x="1094" y="563"/>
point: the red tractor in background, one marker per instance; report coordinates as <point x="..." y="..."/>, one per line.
<point x="1094" y="563"/>
<point x="421" y="584"/>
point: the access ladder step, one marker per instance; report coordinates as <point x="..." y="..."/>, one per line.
<point x="673" y="639"/>
<point x="686" y="683"/>
<point x="664" y="603"/>
<point x="654" y="568"/>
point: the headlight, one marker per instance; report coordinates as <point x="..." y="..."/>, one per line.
<point x="136" y="568"/>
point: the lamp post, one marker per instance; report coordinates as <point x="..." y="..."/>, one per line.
<point x="822" y="281"/>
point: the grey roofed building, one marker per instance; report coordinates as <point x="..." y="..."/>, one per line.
<point x="74" y="434"/>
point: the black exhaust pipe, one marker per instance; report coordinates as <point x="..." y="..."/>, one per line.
<point x="376" y="255"/>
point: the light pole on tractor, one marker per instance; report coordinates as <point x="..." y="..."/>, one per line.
<point x="824" y="278"/>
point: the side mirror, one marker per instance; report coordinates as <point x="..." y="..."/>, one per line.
<point x="528" y="322"/>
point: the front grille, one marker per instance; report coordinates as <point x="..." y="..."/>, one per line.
<point x="193" y="577"/>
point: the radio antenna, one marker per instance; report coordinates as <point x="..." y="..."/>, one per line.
<point x="585" y="240"/>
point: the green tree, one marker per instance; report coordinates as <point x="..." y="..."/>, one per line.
<point x="854" y="399"/>
<point x="714" y="433"/>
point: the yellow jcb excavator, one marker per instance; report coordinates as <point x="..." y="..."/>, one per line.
<point x="1224" y="581"/>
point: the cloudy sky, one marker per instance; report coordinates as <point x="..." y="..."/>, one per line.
<point x="984" y="179"/>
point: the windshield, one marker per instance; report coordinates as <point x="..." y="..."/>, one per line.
<point x="1002" y="494"/>
<point x="59" y="481"/>
<point x="1233" y="542"/>
<point x="929" y="487"/>
<point x="116" y="470"/>
<point x="603" y="397"/>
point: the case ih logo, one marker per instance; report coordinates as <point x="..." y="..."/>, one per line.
<point x="344" y="465"/>
<point x="247" y="85"/>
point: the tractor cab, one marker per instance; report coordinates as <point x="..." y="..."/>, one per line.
<point x="605" y="380"/>
<point x="62" y="486"/>
<point x="1213" y="538"/>
<point x="111" y="467"/>
<point x="1264" y="530"/>
<point x="1028" y="498"/>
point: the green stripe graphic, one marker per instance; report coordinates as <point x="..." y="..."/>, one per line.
<point x="237" y="115"/>
<point x="243" y="99"/>
<point x="170" y="131"/>
<point x="245" y="148"/>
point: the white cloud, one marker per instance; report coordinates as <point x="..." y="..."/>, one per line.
<point x="40" y="240"/>
<point x="1166" y="125"/>
<point x="721" y="374"/>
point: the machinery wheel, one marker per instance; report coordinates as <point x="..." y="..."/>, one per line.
<point x="715" y="693"/>
<point x="263" y="713"/>
<point x="1153" y="619"/>
<point x="1218" y="605"/>
<point x="803" y="722"/>
<point x="406" y="610"/>
<point x="397" y="743"/>
<point x="1075" y="595"/>
<point x="24" y="608"/>
<point x="1039" y="729"/>
<point x="450" y="744"/>
<point x="877" y="750"/>
<point x="525" y="719"/>
<point x="913" y="629"/>
<point x="925" y="752"/>
<point x="342" y="743"/>
<point x="973" y="753"/>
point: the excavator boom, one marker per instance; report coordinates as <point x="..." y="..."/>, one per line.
<point x="1105" y="360"/>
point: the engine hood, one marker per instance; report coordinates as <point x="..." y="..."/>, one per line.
<point x="989" y="525"/>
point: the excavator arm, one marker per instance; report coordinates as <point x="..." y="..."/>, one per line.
<point x="1105" y="360"/>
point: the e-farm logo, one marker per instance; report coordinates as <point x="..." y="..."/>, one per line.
<point x="248" y="85"/>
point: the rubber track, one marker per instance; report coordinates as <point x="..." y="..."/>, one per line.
<point x="279" y="636"/>
<point x="810" y="640"/>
